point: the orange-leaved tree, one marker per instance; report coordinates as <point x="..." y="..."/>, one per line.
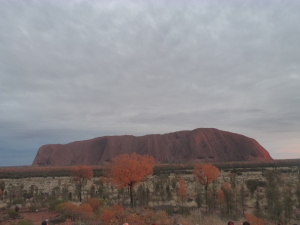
<point x="80" y="175"/>
<point x="206" y="174"/>
<point x="220" y="198"/>
<point x="182" y="191"/>
<point x="128" y="170"/>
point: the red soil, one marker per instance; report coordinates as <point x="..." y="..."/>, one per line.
<point x="36" y="217"/>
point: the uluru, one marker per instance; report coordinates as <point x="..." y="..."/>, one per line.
<point x="195" y="146"/>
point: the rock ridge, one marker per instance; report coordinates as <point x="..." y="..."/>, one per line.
<point x="195" y="146"/>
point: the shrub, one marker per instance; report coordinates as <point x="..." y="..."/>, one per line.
<point x="57" y="220"/>
<point x="25" y="222"/>
<point x="13" y="214"/>
<point x="54" y="203"/>
<point x="252" y="185"/>
<point x="32" y="208"/>
<point x="18" y="201"/>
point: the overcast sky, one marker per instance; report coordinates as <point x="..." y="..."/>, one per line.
<point x="75" y="70"/>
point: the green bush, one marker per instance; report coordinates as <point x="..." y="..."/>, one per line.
<point x="32" y="208"/>
<point x="169" y="210"/>
<point x="18" y="201"/>
<point x="252" y="185"/>
<point x="184" y="210"/>
<point x="25" y="222"/>
<point x="54" y="203"/>
<point x="57" y="220"/>
<point x="13" y="214"/>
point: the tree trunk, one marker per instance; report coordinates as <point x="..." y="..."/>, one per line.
<point x="80" y="189"/>
<point x="131" y="196"/>
<point x="206" y="185"/>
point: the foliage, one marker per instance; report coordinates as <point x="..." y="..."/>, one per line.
<point x="274" y="177"/>
<point x="27" y="195"/>
<point x="80" y="174"/>
<point x="95" y="203"/>
<point x="2" y="185"/>
<point x="57" y="220"/>
<point x="13" y="214"/>
<point x="119" y="215"/>
<point x="298" y="194"/>
<point x="73" y="211"/>
<point x="182" y="191"/>
<point x="112" y="214"/>
<point x="85" y="211"/>
<point x="228" y="192"/>
<point x="25" y="222"/>
<point x="252" y="185"/>
<point x="288" y="203"/>
<point x="69" y="210"/>
<point x="53" y="204"/>
<point x="128" y="170"/>
<point x="206" y="174"/>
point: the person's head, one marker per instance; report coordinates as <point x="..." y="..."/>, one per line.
<point x="246" y="223"/>
<point x="125" y="223"/>
<point x="45" y="222"/>
<point x="230" y="223"/>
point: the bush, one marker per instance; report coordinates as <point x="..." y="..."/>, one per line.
<point x="184" y="210"/>
<point x="25" y="222"/>
<point x="169" y="210"/>
<point x="27" y="195"/>
<point x="57" y="220"/>
<point x="32" y="208"/>
<point x="252" y="185"/>
<point x="54" y="203"/>
<point x="18" y="201"/>
<point x="13" y="214"/>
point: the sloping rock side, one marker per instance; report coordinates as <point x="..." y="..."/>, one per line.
<point x="199" y="145"/>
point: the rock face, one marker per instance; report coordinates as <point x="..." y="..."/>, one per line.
<point x="199" y="145"/>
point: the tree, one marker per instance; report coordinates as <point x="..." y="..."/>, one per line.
<point x="206" y="174"/>
<point x="242" y="198"/>
<point x="80" y="175"/>
<point x="220" y="198"/>
<point x="128" y="170"/>
<point x="2" y="185"/>
<point x="288" y="203"/>
<point x="182" y="191"/>
<point x="298" y="194"/>
<point x="252" y="185"/>
<point x="228" y="192"/>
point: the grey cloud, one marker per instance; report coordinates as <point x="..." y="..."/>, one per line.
<point x="106" y="67"/>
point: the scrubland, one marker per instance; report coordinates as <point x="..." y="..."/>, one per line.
<point x="260" y="193"/>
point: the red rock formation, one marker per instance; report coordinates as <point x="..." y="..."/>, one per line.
<point x="199" y="145"/>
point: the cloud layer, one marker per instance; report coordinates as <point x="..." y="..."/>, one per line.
<point x="73" y="70"/>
